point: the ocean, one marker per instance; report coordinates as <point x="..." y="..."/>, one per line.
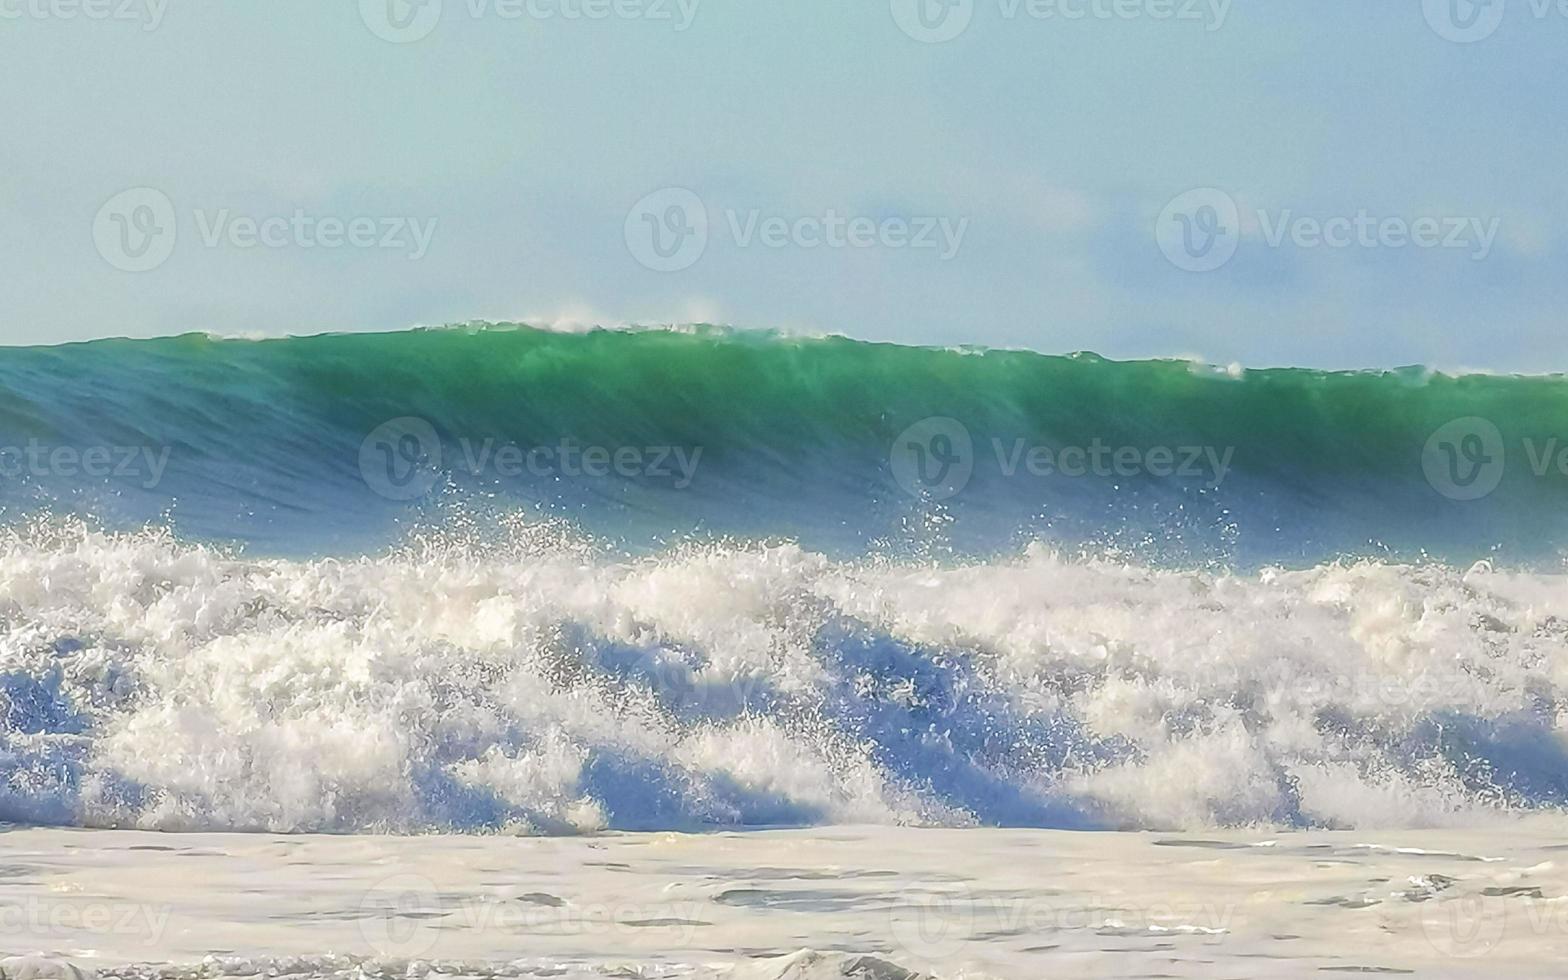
<point x="511" y="591"/>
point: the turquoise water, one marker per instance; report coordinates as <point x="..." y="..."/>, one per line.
<point x="755" y="435"/>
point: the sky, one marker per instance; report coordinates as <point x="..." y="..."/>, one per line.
<point x="1339" y="184"/>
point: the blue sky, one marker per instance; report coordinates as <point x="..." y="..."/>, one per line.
<point x="1006" y="186"/>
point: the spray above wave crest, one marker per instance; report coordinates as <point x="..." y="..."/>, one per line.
<point x="149" y="683"/>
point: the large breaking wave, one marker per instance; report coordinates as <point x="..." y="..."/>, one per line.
<point x="878" y="593"/>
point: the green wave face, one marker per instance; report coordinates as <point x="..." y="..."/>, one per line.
<point x="648" y="437"/>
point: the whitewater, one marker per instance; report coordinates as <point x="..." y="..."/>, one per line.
<point x="545" y="687"/>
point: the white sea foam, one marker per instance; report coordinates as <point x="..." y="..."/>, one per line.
<point x="866" y="903"/>
<point x="803" y="965"/>
<point x="547" y="688"/>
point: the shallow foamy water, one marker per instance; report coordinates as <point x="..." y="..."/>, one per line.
<point x="801" y="904"/>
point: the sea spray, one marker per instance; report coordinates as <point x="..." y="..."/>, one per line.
<point x="556" y="688"/>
